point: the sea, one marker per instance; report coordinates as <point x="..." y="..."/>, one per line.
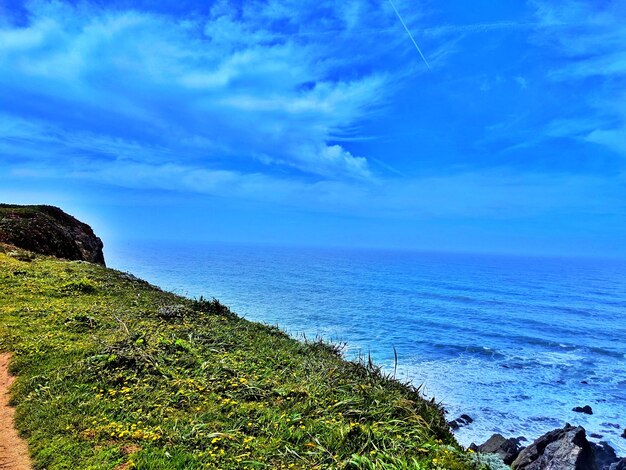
<point x="514" y="342"/>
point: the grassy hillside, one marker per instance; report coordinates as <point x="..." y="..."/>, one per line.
<point x="115" y="373"/>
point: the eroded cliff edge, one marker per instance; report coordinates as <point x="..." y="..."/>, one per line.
<point x="49" y="231"/>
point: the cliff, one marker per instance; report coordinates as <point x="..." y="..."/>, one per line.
<point x="49" y="231"/>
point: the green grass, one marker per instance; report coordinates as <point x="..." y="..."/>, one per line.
<point x="113" y="373"/>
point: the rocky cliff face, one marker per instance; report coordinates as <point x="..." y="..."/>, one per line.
<point x="49" y="231"/>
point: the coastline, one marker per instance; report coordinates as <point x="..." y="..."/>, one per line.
<point x="90" y="284"/>
<point x="508" y="409"/>
<point x="40" y="289"/>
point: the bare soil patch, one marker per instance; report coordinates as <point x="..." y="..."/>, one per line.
<point x="13" y="450"/>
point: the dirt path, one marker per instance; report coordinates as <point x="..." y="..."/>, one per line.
<point x="13" y="450"/>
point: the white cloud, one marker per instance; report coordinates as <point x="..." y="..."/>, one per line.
<point x="614" y="139"/>
<point x="521" y="81"/>
<point x="493" y="194"/>
<point x="589" y="40"/>
<point x="224" y="87"/>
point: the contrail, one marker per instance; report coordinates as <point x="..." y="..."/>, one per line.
<point x="409" y="33"/>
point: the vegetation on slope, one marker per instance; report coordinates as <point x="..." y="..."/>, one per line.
<point x="115" y="373"/>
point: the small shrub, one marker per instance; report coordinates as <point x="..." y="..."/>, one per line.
<point x="174" y="312"/>
<point x="319" y="344"/>
<point x="129" y="354"/>
<point x="24" y="256"/>
<point x="490" y="461"/>
<point x="213" y="307"/>
<point x="81" y="322"/>
<point x="80" y="286"/>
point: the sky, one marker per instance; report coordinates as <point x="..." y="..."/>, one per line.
<point x="320" y="123"/>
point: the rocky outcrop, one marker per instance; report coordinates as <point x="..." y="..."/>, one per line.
<point x="561" y="449"/>
<point x="604" y="455"/>
<point x="461" y="421"/>
<point x="583" y="409"/>
<point x="49" y="231"/>
<point x="619" y="465"/>
<point x="507" y="449"/>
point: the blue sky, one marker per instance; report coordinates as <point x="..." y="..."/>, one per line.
<point x="317" y="122"/>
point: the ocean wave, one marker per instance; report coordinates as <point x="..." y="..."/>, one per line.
<point x="455" y="349"/>
<point x="606" y="352"/>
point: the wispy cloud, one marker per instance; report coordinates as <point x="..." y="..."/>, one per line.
<point x="475" y="28"/>
<point x="268" y="101"/>
<point x="589" y="54"/>
<point x="246" y="83"/>
<point x="495" y="194"/>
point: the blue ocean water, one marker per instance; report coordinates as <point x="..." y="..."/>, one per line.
<point x="514" y="342"/>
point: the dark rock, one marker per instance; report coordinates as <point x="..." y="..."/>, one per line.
<point x="584" y="382"/>
<point x="507" y="449"/>
<point x="619" y="465"/>
<point x="48" y="230"/>
<point x="561" y="449"/>
<point x="461" y="421"/>
<point x="596" y="436"/>
<point x="604" y="455"/>
<point x="585" y="409"/>
<point x="624" y="434"/>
